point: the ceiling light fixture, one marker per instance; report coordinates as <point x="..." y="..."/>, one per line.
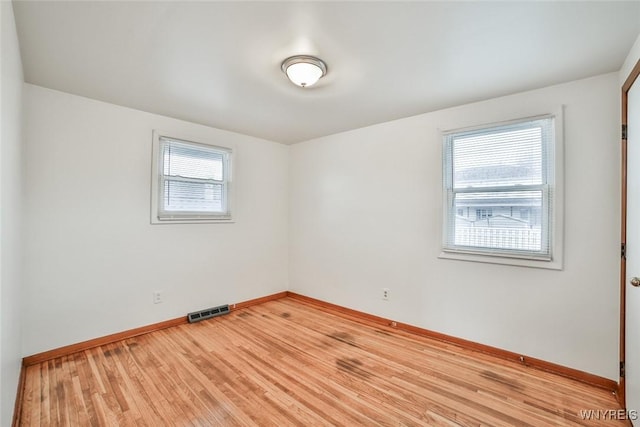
<point x="304" y="70"/>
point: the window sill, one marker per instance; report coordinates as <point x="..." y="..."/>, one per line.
<point x="553" y="264"/>
<point x="165" y="221"/>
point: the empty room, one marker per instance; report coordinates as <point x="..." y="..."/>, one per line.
<point x="235" y="213"/>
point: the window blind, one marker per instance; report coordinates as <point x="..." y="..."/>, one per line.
<point x="193" y="179"/>
<point x="498" y="184"/>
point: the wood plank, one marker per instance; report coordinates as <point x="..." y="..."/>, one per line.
<point x="288" y="362"/>
<point x="85" y="345"/>
<point x="131" y="333"/>
<point x="544" y="365"/>
<point x="28" y="388"/>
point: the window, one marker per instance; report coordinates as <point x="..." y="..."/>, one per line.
<point x="505" y="174"/>
<point x="191" y="181"/>
<point x="483" y="213"/>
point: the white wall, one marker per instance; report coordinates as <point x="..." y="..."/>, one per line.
<point x="94" y="258"/>
<point x="365" y="215"/>
<point x="10" y="213"/>
<point x="631" y="61"/>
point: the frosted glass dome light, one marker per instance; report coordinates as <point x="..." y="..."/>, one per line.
<point x="303" y="70"/>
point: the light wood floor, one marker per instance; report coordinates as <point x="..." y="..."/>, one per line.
<point x="288" y="363"/>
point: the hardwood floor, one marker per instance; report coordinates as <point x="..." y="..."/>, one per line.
<point x="286" y="362"/>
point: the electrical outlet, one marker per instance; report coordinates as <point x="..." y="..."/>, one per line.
<point x="157" y="297"/>
<point x="385" y="294"/>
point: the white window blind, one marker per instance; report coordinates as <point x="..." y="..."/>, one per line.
<point x="192" y="180"/>
<point x="499" y="189"/>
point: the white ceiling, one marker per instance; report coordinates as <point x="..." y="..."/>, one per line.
<point x="218" y="63"/>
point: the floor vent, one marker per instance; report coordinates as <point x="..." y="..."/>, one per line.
<point x="197" y="316"/>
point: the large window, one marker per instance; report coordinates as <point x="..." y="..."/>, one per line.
<point x="191" y="181"/>
<point x="499" y="190"/>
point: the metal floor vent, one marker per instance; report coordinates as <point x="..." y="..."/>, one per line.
<point x="197" y="316"/>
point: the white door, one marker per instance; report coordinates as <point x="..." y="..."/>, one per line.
<point x="632" y="322"/>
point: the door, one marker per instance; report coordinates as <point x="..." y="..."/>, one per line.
<point x="631" y="287"/>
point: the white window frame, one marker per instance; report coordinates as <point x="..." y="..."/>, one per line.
<point x="158" y="214"/>
<point x="554" y="187"/>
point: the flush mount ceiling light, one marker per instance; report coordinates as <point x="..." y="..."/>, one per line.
<point x="304" y="70"/>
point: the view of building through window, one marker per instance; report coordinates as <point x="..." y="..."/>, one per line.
<point x="506" y="221"/>
<point x="497" y="184"/>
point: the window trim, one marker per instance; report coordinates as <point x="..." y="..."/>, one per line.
<point x="157" y="214"/>
<point x="555" y="175"/>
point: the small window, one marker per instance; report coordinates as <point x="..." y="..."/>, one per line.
<point x="495" y="171"/>
<point x="191" y="181"/>
<point x="483" y="213"/>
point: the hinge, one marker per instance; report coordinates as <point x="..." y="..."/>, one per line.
<point x="624" y="131"/>
<point x="621" y="369"/>
<point x="623" y="250"/>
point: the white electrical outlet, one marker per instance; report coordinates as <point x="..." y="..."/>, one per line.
<point x="157" y="297"/>
<point x="385" y="294"/>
